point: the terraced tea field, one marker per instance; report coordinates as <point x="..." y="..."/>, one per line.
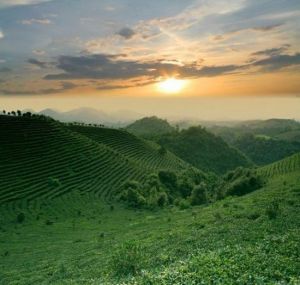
<point x="287" y="165"/>
<point x="42" y="160"/>
<point x="142" y="151"/>
<point x="79" y="239"/>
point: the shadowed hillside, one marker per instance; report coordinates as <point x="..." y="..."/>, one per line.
<point x="203" y="150"/>
<point x="150" y="127"/>
<point x="43" y="159"/>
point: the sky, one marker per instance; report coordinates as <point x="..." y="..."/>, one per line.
<point x="122" y="53"/>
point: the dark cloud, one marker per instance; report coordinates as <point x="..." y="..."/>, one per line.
<point x="267" y="28"/>
<point x="5" y="70"/>
<point x="126" y="33"/>
<point x="277" y="62"/>
<point x="272" y="51"/>
<point x="64" y="86"/>
<point x="38" y="63"/>
<point x="107" y="67"/>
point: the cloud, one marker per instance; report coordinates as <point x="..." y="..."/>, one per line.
<point x="38" y="63"/>
<point x="5" y="70"/>
<point x="109" y="67"/>
<point x="261" y="29"/>
<point x="126" y="33"/>
<point x="1" y="35"/>
<point x="37" y="21"/>
<point x="266" y="28"/>
<point x="278" y="62"/>
<point x="38" y="52"/>
<point x="272" y="51"/>
<point x="9" y="3"/>
<point x="64" y="86"/>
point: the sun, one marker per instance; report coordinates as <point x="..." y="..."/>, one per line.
<point x="171" y="85"/>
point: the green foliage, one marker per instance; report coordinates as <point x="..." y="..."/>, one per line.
<point x="273" y="210"/>
<point x="164" y="188"/>
<point x="264" y="150"/>
<point x="239" y="182"/>
<point x="128" y="259"/>
<point x="199" y="194"/>
<point x="20" y="218"/>
<point x="150" y="127"/>
<point x="203" y="150"/>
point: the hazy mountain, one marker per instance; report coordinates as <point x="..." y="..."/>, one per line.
<point x="90" y="115"/>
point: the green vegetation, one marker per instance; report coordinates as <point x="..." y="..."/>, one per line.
<point x="166" y="188"/>
<point x="150" y="127"/>
<point x="90" y="205"/>
<point x="42" y="158"/>
<point x="253" y="239"/>
<point x="203" y="150"/>
<point x="264" y="150"/>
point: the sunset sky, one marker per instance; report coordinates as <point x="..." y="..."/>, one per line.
<point x="86" y="50"/>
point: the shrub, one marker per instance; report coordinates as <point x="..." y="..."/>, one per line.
<point x="199" y="195"/>
<point x="183" y="204"/>
<point x="273" y="210"/>
<point x="129" y="259"/>
<point x="162" y="199"/>
<point x="168" y="178"/>
<point x="20" y="218"/>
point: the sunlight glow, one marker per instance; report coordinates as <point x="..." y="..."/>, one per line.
<point x="171" y="85"/>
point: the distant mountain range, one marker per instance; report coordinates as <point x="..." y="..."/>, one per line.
<point x="90" y="115"/>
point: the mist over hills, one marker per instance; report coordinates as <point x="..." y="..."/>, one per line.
<point x="93" y="116"/>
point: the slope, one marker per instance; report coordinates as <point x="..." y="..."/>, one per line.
<point x="147" y="153"/>
<point x="264" y="150"/>
<point x="150" y="127"/>
<point x="253" y="239"/>
<point x="284" y="166"/>
<point x="43" y="159"/>
<point x="203" y="150"/>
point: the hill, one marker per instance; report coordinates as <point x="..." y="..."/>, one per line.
<point x="44" y="159"/>
<point x="78" y="239"/>
<point x="264" y="150"/>
<point x="145" y="152"/>
<point x="284" y="166"/>
<point x="203" y="150"/>
<point x="275" y="128"/>
<point x="150" y="127"/>
<point x="92" y="116"/>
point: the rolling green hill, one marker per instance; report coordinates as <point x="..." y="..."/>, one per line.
<point x="79" y="239"/>
<point x="284" y="166"/>
<point x="203" y="150"/>
<point x="150" y="127"/>
<point x="146" y="153"/>
<point x="263" y="150"/>
<point x="42" y="159"/>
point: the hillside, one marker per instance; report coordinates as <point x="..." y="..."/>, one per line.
<point x="281" y="167"/>
<point x="264" y="150"/>
<point x="44" y="159"/>
<point x="276" y="128"/>
<point x="78" y="239"/>
<point x="150" y="127"/>
<point x="203" y="150"/>
<point x="146" y="153"/>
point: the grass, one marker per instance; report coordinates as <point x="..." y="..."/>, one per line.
<point x="233" y="241"/>
<point x="59" y="225"/>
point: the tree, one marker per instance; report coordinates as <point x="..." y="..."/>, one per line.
<point x="19" y="113"/>
<point x="13" y="113"/>
<point x="4" y="112"/>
